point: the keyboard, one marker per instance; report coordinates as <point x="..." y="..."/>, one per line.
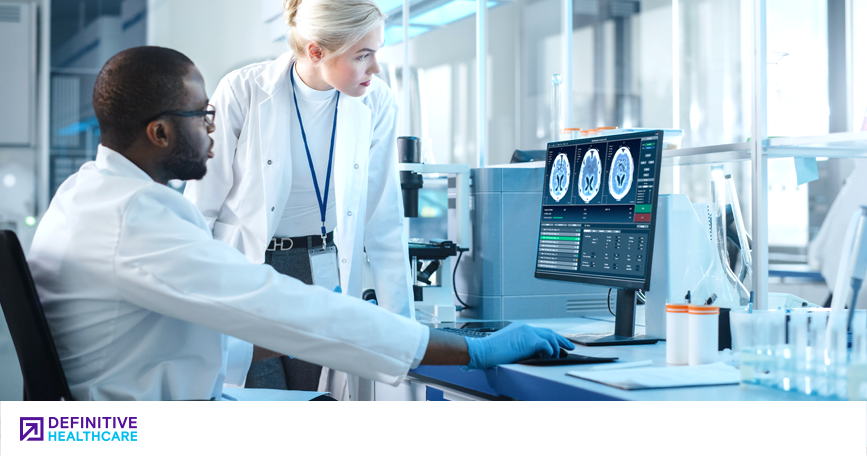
<point x="466" y="332"/>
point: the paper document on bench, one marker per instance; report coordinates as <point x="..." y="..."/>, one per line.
<point x="663" y="377"/>
<point x="261" y="394"/>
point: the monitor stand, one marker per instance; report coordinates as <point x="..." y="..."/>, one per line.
<point x="624" y="326"/>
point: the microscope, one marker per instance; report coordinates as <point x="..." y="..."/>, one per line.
<point x="431" y="260"/>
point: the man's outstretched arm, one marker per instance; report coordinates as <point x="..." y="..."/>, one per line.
<point x="514" y="343"/>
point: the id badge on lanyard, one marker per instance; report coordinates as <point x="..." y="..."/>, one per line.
<point x="323" y="267"/>
<point x="323" y="261"/>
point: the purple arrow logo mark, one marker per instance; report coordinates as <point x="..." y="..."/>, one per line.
<point x="33" y="427"/>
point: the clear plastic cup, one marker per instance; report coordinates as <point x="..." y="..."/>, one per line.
<point x="743" y="333"/>
<point x="759" y="345"/>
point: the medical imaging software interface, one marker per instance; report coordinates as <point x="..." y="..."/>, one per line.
<point x="596" y="208"/>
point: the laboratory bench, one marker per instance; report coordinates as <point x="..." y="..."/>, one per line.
<point x="536" y="383"/>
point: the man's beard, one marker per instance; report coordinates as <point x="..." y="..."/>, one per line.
<point x="185" y="162"/>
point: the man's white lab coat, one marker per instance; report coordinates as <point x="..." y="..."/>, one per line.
<point x="138" y="296"/>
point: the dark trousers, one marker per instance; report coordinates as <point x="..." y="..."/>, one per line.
<point x="285" y="373"/>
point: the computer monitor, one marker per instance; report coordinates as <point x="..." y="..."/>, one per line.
<point x="598" y="217"/>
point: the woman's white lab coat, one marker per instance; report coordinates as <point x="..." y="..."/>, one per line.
<point x="249" y="180"/>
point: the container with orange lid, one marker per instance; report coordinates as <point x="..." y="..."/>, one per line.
<point x="677" y="334"/>
<point x="608" y="131"/>
<point x="586" y="133"/>
<point x="573" y="133"/>
<point x="703" y="334"/>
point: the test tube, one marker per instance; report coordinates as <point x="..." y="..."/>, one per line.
<point x="859" y="338"/>
<point x="837" y="354"/>
<point x="855" y="370"/>
<point x="776" y="326"/>
<point x="798" y="348"/>
<point x="816" y="355"/>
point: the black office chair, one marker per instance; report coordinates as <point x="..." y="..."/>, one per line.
<point x="40" y="366"/>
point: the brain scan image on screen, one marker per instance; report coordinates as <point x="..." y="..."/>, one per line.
<point x="590" y="175"/>
<point x="559" y="184"/>
<point x="620" y="178"/>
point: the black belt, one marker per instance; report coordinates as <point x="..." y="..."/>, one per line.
<point x="300" y="242"/>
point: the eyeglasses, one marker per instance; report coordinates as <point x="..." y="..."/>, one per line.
<point x="207" y="114"/>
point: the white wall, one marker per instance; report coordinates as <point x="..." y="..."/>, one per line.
<point x="450" y="53"/>
<point x="18" y="158"/>
<point x="218" y="35"/>
<point x="523" y="53"/>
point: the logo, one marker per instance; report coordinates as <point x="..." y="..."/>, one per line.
<point x="32" y="428"/>
<point x="79" y="429"/>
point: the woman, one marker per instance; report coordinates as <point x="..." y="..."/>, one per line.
<point x="306" y="146"/>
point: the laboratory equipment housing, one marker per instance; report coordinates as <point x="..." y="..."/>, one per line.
<point x="753" y="84"/>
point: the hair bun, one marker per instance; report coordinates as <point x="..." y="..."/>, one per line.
<point x="334" y="25"/>
<point x="290" y="10"/>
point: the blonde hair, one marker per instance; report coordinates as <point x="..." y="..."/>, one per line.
<point x="335" y="25"/>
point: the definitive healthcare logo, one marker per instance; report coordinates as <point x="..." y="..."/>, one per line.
<point x="80" y="429"/>
<point x="32" y="428"/>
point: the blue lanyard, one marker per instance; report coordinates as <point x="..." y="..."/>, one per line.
<point x="323" y="203"/>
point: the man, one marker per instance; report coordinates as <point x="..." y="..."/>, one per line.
<point x="138" y="295"/>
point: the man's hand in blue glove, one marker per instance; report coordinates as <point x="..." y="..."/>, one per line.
<point x="514" y="343"/>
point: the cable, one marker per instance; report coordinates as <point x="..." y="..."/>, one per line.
<point x="454" y="273"/>
<point x="609" y="303"/>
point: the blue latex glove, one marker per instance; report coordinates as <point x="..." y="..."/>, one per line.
<point x="514" y="343"/>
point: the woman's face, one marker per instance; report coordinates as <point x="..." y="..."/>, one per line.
<point x="351" y="72"/>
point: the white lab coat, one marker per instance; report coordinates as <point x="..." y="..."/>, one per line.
<point x="138" y="296"/>
<point x="246" y="188"/>
<point x="825" y="250"/>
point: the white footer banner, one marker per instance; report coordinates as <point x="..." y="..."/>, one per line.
<point x="418" y="428"/>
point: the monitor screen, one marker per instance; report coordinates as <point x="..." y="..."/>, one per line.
<point x="599" y="210"/>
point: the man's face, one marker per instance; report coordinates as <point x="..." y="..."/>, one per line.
<point x="187" y="158"/>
